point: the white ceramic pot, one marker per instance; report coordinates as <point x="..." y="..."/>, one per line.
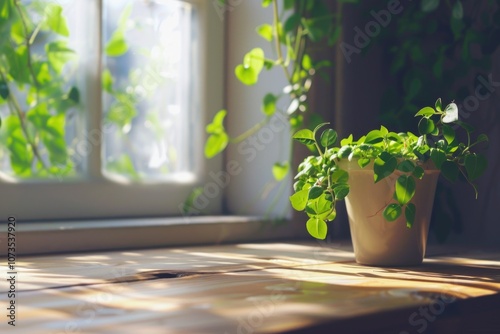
<point x="379" y="242"/>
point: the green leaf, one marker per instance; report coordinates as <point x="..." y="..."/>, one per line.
<point x="265" y="31"/>
<point x="406" y="166"/>
<point x="123" y="166"/>
<point x="319" y="207"/>
<point x="475" y="165"/>
<point x="341" y="191"/>
<point x="299" y="199"/>
<point x="317" y="228"/>
<point x="383" y="131"/>
<point x="426" y="126"/>
<point x="405" y="189"/>
<point x="451" y="113"/>
<point x="448" y="133"/>
<point x="450" y="170"/>
<point x="42" y="72"/>
<point x="346" y="141"/>
<point x="38" y="116"/>
<point x="344" y="151"/>
<point x="410" y="213"/>
<point x="19" y="150"/>
<point x="481" y="138"/>
<point x="56" y="146"/>
<point x="254" y="60"/>
<point x="332" y="215"/>
<point x="429" y="5"/>
<point x="55" y="125"/>
<point x="246" y="75"/>
<point x="418" y="172"/>
<point x="426" y="112"/>
<point x="307" y="62"/>
<point x="458" y="10"/>
<point x="439" y="105"/>
<point x="4" y="89"/>
<point x="315" y="192"/>
<point x="124" y="17"/>
<point x="374" y="137"/>
<point x="394" y="137"/>
<point x="55" y="20"/>
<point x="392" y="212"/>
<point x="189" y="203"/>
<point x="215" y="144"/>
<point x="280" y="170"/>
<point x="292" y="22"/>
<point x="58" y="54"/>
<point x="335" y="36"/>
<point x="304" y="136"/>
<point x="319" y="126"/>
<point x="266" y="3"/>
<point x="328" y="138"/>
<point x="117" y="45"/>
<point x="289" y="4"/>
<point x="339" y="176"/>
<point x="74" y="94"/>
<point x="268" y="64"/>
<point x="384" y="165"/>
<point x="17" y="32"/>
<point x="438" y="157"/>
<point x="269" y="104"/>
<point x="363" y="162"/>
<point x="5" y="9"/>
<point x="122" y="111"/>
<point x="107" y="81"/>
<point x="18" y="63"/>
<point x="217" y="125"/>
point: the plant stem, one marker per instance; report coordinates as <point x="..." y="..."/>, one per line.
<point x="469" y="181"/>
<point x="318" y="148"/>
<point x="250" y="131"/>
<point x="278" y="43"/>
<point x="35" y="33"/>
<point x="28" y="47"/>
<point x="14" y="106"/>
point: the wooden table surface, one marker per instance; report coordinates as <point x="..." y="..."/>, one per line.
<point x="253" y="288"/>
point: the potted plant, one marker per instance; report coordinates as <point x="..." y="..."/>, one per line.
<point x="388" y="180"/>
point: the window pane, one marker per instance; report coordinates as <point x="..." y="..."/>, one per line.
<point x="149" y="95"/>
<point x="39" y="93"/>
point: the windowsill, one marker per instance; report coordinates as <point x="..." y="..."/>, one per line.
<point x="254" y="288"/>
<point x="97" y="235"/>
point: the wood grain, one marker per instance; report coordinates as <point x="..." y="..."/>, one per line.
<point x="250" y="288"/>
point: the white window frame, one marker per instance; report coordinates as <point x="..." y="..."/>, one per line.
<point x="96" y="196"/>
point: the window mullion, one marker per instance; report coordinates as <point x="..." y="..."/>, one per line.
<point x="95" y="132"/>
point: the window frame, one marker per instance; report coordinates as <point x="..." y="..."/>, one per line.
<point x="31" y="200"/>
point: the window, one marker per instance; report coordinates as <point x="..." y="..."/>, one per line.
<point x="104" y="103"/>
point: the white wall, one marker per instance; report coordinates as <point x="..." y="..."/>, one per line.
<point x="247" y="190"/>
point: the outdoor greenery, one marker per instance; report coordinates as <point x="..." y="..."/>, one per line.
<point x="39" y="95"/>
<point x="39" y="98"/>
<point x="443" y="46"/>
<point x="321" y="181"/>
